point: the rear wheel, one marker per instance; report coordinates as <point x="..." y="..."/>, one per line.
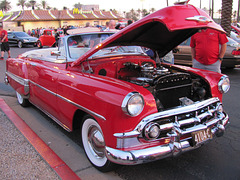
<point x="22" y="101"/>
<point x="94" y="145"/>
<point x="39" y="44"/>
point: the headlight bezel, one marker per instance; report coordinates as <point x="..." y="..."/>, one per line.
<point x="126" y="103"/>
<point x="224" y="81"/>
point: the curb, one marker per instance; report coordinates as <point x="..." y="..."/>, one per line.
<point x="54" y="161"/>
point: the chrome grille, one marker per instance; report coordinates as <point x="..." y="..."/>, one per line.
<point x="183" y="123"/>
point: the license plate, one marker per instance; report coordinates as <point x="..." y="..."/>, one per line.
<point x="201" y="136"/>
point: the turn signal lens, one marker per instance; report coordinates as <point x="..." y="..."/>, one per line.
<point x="152" y="131"/>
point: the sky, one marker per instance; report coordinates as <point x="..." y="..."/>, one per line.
<point x="126" y="5"/>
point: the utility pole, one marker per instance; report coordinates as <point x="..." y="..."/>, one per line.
<point x="212" y="8"/>
<point x="209" y="7"/>
<point x="238" y="11"/>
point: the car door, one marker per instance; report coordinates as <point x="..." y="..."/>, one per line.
<point x="182" y="54"/>
<point x="10" y="38"/>
<point x="43" y="76"/>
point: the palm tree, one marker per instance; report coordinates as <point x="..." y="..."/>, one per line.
<point x="32" y="3"/>
<point x="139" y="12"/>
<point x="44" y="4"/>
<point x="152" y="10"/>
<point x="78" y="5"/>
<point x="5" y="5"/>
<point x="21" y="3"/>
<point x="145" y="12"/>
<point x="226" y="15"/>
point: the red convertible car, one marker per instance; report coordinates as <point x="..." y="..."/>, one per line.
<point x="130" y="109"/>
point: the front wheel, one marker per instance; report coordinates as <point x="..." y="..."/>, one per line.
<point x="94" y="145"/>
<point x="20" y="44"/>
<point x="39" y="44"/>
<point x="22" y="101"/>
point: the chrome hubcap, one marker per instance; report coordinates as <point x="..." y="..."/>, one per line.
<point x="20" y="98"/>
<point x="96" y="141"/>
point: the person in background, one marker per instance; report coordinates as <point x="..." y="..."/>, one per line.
<point x="205" y="50"/>
<point x="57" y="36"/>
<point x="87" y="24"/>
<point x="112" y="24"/>
<point x="4" y="42"/>
<point x="168" y="58"/>
<point x="107" y="26"/>
<point x="29" y="32"/>
<point x="129" y="22"/>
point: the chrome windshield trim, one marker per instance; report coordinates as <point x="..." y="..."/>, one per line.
<point x="69" y="101"/>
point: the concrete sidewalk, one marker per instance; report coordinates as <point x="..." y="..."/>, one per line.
<point x="23" y="155"/>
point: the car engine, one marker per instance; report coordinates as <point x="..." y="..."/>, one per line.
<point x="169" y="87"/>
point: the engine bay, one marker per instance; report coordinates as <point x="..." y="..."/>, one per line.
<point x="170" y="87"/>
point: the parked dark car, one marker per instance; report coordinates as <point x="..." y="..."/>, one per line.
<point x="182" y="54"/>
<point x="21" y="39"/>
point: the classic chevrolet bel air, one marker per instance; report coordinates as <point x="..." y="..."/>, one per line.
<point x="130" y="108"/>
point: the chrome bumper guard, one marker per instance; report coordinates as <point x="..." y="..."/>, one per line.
<point x="173" y="148"/>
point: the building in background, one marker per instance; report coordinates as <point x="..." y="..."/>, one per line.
<point x="31" y="19"/>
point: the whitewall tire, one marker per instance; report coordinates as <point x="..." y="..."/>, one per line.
<point x="94" y="144"/>
<point x="22" y="101"/>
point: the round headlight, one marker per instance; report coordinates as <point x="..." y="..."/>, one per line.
<point x="133" y="104"/>
<point x="224" y="84"/>
<point x="152" y="131"/>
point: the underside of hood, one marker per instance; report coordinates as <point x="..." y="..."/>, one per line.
<point x="162" y="30"/>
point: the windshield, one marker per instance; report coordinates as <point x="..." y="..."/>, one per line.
<point x="80" y="44"/>
<point x="21" y="34"/>
<point x="118" y="50"/>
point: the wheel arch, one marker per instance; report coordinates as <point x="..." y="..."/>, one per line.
<point x="78" y="119"/>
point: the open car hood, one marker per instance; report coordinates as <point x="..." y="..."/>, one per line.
<point x="162" y="30"/>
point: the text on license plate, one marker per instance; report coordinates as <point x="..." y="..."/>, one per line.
<point x="201" y="136"/>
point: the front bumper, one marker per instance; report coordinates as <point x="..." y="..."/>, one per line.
<point x="173" y="148"/>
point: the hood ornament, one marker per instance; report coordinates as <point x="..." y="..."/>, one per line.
<point x="202" y="19"/>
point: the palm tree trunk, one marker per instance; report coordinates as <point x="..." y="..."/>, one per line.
<point x="212" y="8"/>
<point x="238" y="11"/>
<point x="226" y="15"/>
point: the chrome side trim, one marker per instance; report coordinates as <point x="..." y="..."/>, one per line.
<point x="20" y="80"/>
<point x="53" y="118"/>
<point x="45" y="89"/>
<point x="69" y="101"/>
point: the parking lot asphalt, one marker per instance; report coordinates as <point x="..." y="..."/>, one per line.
<point x="23" y="155"/>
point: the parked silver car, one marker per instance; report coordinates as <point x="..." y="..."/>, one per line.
<point x="182" y="54"/>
